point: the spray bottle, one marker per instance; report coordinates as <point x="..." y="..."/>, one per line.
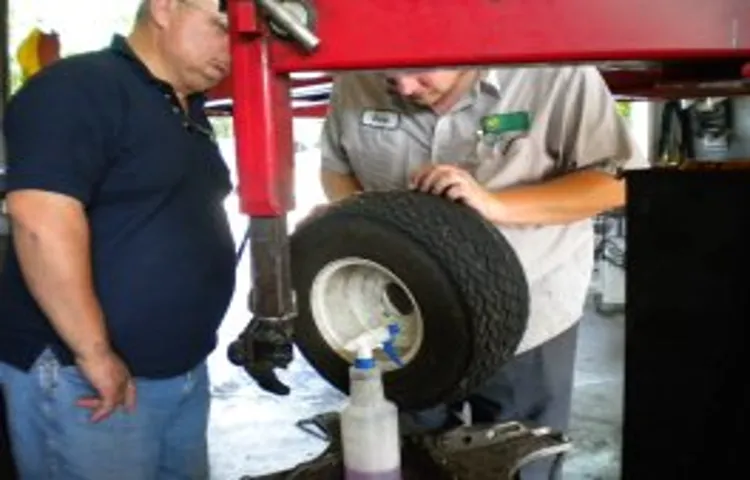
<point x="369" y="422"/>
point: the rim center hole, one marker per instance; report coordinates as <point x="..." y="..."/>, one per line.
<point x="399" y="299"/>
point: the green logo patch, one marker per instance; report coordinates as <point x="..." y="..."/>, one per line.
<point x="500" y="123"/>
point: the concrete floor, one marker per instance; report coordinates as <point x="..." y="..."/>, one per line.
<point x="597" y="399"/>
<point x="253" y="433"/>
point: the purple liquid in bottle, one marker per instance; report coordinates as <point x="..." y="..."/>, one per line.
<point x="354" y="475"/>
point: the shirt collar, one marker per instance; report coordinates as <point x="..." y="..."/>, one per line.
<point x="489" y="82"/>
<point x="121" y="47"/>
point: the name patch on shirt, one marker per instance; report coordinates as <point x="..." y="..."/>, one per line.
<point x="384" y="119"/>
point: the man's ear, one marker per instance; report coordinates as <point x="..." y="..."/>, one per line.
<point x="162" y="11"/>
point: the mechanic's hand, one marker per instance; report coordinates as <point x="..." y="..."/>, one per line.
<point x="455" y="183"/>
<point x="111" y="379"/>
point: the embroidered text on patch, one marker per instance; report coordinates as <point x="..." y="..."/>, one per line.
<point x="384" y="119"/>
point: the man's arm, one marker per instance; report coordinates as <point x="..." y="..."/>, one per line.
<point x="336" y="174"/>
<point x="338" y="186"/>
<point x="566" y="199"/>
<point x="57" y="138"/>
<point x="595" y="143"/>
<point x="51" y="237"/>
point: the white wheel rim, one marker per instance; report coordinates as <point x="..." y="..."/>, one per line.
<point x="348" y="298"/>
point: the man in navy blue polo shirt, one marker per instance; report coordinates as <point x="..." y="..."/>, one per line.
<point x="123" y="265"/>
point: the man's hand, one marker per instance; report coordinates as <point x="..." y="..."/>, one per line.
<point x="454" y="183"/>
<point x="110" y="378"/>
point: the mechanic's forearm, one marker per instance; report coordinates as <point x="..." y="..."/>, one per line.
<point x="338" y="186"/>
<point x="566" y="199"/>
<point x="54" y="256"/>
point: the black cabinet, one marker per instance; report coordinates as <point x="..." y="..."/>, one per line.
<point x="687" y="310"/>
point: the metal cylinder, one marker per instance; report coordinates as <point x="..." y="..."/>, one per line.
<point x="286" y="20"/>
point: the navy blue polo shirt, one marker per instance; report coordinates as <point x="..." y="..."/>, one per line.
<point x="99" y="127"/>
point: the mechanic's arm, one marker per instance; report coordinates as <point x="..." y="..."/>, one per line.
<point x="338" y="186"/>
<point x="566" y="199"/>
<point x="595" y="145"/>
<point x="336" y="173"/>
<point x="51" y="237"/>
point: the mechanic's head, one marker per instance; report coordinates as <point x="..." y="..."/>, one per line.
<point x="191" y="40"/>
<point x="436" y="89"/>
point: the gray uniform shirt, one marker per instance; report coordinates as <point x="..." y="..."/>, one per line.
<point x="516" y="126"/>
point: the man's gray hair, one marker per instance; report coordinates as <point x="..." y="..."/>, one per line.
<point x="143" y="12"/>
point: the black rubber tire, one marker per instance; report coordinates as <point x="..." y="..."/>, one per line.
<point x="464" y="275"/>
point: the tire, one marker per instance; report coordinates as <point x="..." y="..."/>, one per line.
<point x="464" y="279"/>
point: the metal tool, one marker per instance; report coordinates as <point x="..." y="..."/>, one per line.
<point x="484" y="452"/>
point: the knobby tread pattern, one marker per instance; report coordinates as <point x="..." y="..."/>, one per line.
<point x="478" y="259"/>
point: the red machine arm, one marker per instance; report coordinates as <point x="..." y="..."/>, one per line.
<point x="378" y="34"/>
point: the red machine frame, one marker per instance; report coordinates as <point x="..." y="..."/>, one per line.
<point x="683" y="43"/>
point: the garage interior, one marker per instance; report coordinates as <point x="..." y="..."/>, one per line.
<point x="669" y="294"/>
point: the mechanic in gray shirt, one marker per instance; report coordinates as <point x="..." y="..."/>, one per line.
<point x="536" y="151"/>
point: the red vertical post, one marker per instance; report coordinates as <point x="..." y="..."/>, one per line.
<point x="262" y="117"/>
<point x="263" y="134"/>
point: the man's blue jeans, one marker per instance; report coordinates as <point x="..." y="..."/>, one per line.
<point x="53" y="439"/>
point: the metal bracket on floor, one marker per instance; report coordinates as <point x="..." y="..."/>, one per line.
<point x="486" y="452"/>
<point x="479" y="452"/>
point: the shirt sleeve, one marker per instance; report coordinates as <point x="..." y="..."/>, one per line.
<point x="333" y="156"/>
<point x="594" y="135"/>
<point x="55" y="135"/>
